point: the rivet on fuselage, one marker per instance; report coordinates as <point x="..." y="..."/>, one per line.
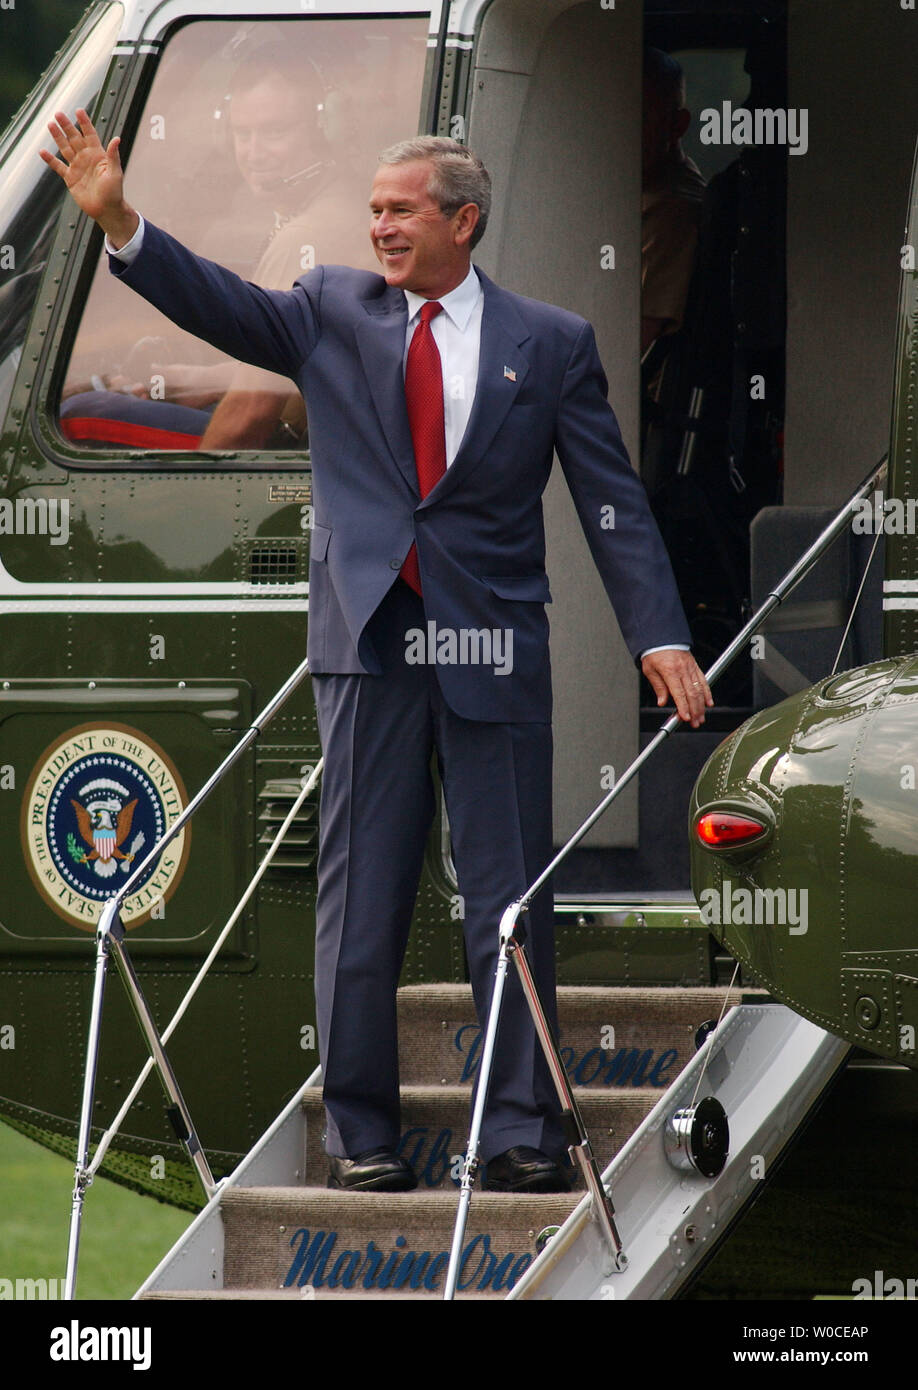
<point x="867" y="1012"/>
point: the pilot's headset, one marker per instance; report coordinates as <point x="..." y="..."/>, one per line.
<point x="250" y="64"/>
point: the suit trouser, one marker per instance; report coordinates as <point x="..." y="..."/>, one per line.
<point x="378" y="734"/>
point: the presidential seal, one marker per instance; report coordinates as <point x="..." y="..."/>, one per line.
<point x="98" y="800"/>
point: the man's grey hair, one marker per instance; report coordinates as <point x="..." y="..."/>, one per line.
<point x="458" y="177"/>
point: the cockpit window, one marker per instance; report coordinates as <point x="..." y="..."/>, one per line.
<point x="257" y="148"/>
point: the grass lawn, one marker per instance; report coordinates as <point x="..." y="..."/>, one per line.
<point x="124" y="1235"/>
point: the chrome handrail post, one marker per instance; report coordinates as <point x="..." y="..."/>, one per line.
<point x="179" y="1114"/>
<point x="509" y="928"/>
<point x="82" y="1178"/>
<point x="579" y="1145"/>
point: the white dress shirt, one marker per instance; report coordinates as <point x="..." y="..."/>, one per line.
<point x="457" y="334"/>
<point x="131" y="249"/>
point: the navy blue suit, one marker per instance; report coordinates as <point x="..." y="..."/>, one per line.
<point x="340" y="334"/>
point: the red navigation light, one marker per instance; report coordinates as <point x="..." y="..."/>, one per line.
<point x="721" y="829"/>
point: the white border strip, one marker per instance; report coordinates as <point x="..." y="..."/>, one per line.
<point x="26" y="606"/>
<point x="93" y="594"/>
<point x="145" y="20"/>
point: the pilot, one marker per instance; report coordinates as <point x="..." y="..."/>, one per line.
<point x="277" y="125"/>
<point x="311" y="204"/>
<point x="672" y="188"/>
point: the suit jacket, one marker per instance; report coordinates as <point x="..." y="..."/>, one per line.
<point x="340" y="334"/>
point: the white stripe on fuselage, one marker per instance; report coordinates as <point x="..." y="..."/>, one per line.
<point x="193" y="596"/>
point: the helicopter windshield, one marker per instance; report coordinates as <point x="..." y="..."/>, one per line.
<point x="256" y="146"/>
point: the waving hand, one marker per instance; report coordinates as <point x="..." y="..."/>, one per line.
<point x="92" y="174"/>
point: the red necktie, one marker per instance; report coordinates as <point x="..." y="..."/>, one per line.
<point x="424" y="398"/>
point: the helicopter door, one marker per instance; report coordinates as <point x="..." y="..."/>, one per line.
<point x="556" y="116"/>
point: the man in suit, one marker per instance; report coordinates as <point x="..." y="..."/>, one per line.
<point x="436" y="401"/>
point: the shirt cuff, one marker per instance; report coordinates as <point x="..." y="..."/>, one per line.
<point x="131" y="249"/>
<point x="673" y="647"/>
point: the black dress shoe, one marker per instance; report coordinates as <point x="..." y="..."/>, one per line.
<point x="377" y="1170"/>
<point x="523" y="1169"/>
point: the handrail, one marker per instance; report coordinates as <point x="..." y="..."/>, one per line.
<point x="105" y="1141"/>
<point x="773" y="598"/>
<point x="113" y="904"/>
<point x="110" y="938"/>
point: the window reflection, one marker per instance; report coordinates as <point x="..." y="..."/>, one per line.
<point x="257" y="147"/>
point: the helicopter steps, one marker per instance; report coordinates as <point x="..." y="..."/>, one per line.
<point x="274" y="1231"/>
<point x="767" y="1067"/>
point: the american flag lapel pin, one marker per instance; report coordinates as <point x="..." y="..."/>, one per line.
<point x="509" y="374"/>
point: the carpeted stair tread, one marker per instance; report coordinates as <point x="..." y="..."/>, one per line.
<point x="287" y="1295"/>
<point x="292" y="1295"/>
<point x="322" y="1199"/>
<point x="433" y="1095"/>
<point x="365" y="1242"/>
<point x="602" y="1030"/>
<point x="671" y="996"/>
<point x="435" y="1127"/>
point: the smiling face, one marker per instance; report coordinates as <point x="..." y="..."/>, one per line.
<point x="418" y="247"/>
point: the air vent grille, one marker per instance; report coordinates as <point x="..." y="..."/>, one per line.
<point x="274" y="564"/>
<point x="299" y="847"/>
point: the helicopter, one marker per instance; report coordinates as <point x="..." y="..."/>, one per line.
<point x="156" y="525"/>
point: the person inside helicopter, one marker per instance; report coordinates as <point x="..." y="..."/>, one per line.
<point x="278" y="116"/>
<point x="671" y="194"/>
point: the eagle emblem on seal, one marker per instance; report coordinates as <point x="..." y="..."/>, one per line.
<point x="104" y="817"/>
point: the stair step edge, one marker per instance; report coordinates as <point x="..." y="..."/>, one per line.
<point x="430" y="1200"/>
<point x="585" y="1095"/>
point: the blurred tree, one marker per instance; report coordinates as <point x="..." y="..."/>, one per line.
<point x="31" y="32"/>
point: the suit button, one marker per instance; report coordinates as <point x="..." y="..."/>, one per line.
<point x="395" y="564"/>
